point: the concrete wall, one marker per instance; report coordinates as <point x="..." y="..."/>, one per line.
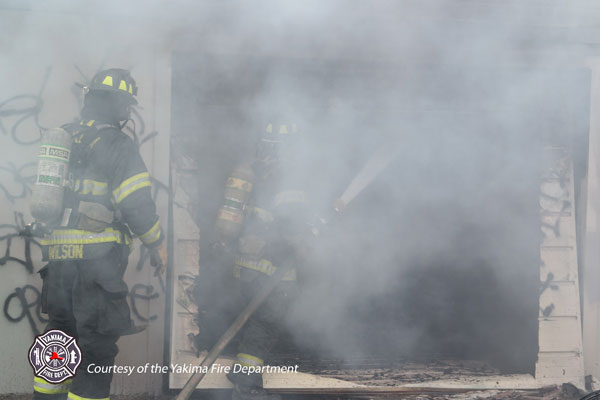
<point x="38" y="58"/>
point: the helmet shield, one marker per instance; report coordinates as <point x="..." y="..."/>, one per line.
<point x="115" y="80"/>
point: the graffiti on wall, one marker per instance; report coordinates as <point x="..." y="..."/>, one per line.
<point x="142" y="292"/>
<point x="15" y="182"/>
<point x="21" y="108"/>
<point x="137" y="129"/>
<point x="556" y="217"/>
<point x="18" y="231"/>
<point x="20" y="300"/>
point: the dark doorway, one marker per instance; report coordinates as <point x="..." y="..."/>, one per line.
<point x="439" y="255"/>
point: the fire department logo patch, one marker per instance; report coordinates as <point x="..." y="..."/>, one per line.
<point x="54" y="356"/>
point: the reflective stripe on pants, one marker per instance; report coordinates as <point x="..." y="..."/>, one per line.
<point x="250" y="360"/>
<point x="40" y="385"/>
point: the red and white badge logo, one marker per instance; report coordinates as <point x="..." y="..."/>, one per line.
<point x="54" y="356"/>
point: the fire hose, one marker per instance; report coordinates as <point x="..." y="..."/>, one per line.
<point x="229" y="334"/>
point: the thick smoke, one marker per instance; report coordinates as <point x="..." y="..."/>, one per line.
<point x="438" y="255"/>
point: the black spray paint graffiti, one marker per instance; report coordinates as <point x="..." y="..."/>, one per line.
<point x="548" y="284"/>
<point x="20" y="232"/>
<point x="565" y="205"/>
<point x="19" y="296"/>
<point x="22" y="177"/>
<point x="146" y="292"/>
<point x="143" y="292"/>
<point x="555" y="206"/>
<point x="19" y="305"/>
<point x="23" y="107"/>
<point x="139" y="136"/>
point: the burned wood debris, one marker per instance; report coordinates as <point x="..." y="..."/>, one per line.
<point x="386" y="373"/>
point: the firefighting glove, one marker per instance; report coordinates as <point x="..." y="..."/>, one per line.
<point x="158" y="258"/>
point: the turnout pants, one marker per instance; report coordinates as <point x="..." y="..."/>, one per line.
<point x="86" y="299"/>
<point x="263" y="329"/>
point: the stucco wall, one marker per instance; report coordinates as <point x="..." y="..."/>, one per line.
<point x="40" y="57"/>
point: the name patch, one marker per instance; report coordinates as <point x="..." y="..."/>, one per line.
<point x="65" y="252"/>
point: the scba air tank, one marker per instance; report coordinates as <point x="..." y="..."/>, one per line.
<point x="53" y="166"/>
<point x="238" y="188"/>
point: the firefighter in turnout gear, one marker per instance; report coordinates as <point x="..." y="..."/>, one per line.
<point x="107" y="198"/>
<point x="261" y="218"/>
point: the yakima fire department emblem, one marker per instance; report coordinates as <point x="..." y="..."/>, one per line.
<point x="54" y="356"/>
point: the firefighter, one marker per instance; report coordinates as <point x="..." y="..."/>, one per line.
<point x="107" y="198"/>
<point x="264" y="214"/>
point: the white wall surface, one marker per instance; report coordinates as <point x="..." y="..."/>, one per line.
<point x="591" y="265"/>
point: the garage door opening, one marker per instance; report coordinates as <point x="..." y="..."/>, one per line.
<point x="438" y="257"/>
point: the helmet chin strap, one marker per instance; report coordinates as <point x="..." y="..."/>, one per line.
<point x="125" y="123"/>
<point x="133" y="130"/>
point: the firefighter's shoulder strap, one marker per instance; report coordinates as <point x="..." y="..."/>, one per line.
<point x="85" y="137"/>
<point x="89" y="215"/>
